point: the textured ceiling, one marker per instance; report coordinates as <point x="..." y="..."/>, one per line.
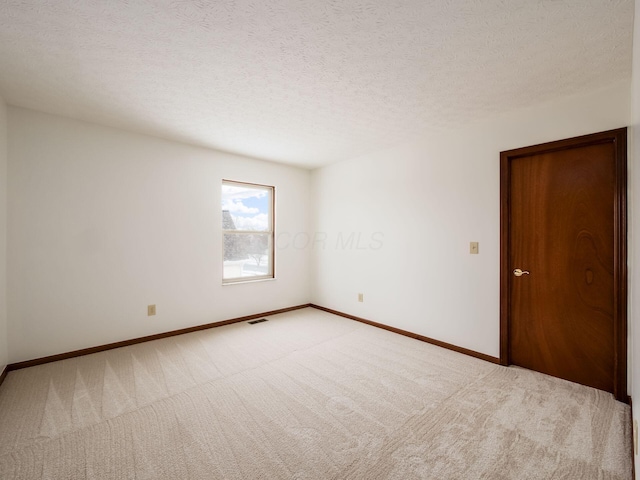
<point x="306" y="82"/>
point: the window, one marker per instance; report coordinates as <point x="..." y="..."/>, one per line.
<point x="247" y="229"/>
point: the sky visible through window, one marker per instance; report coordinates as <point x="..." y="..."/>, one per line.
<point x="248" y="207"/>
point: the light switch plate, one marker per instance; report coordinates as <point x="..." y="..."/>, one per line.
<point x="474" y="248"/>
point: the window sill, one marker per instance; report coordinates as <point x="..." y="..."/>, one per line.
<point x="238" y="282"/>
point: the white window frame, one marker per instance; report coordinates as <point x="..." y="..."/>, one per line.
<point x="271" y="274"/>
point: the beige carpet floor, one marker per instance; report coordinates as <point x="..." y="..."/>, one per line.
<point x="306" y="395"/>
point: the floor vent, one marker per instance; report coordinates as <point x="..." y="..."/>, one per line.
<point x="258" y="321"/>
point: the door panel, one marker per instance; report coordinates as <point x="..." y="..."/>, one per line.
<point x="562" y="222"/>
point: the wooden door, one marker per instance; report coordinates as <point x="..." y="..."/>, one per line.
<point x="563" y="260"/>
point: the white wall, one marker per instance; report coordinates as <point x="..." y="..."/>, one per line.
<point x="634" y="243"/>
<point x="428" y="199"/>
<point x="103" y="222"/>
<point x="4" y="346"/>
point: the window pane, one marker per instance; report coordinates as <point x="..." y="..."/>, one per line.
<point x="246" y="208"/>
<point x="247" y="255"/>
<point x="248" y="231"/>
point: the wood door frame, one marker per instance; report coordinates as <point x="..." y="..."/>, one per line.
<point x="619" y="138"/>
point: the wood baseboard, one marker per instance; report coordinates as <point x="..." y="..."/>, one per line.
<point x="422" y="338"/>
<point x="3" y="375"/>
<point x="125" y="343"/>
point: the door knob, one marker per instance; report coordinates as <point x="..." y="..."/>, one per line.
<point x="518" y="273"/>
